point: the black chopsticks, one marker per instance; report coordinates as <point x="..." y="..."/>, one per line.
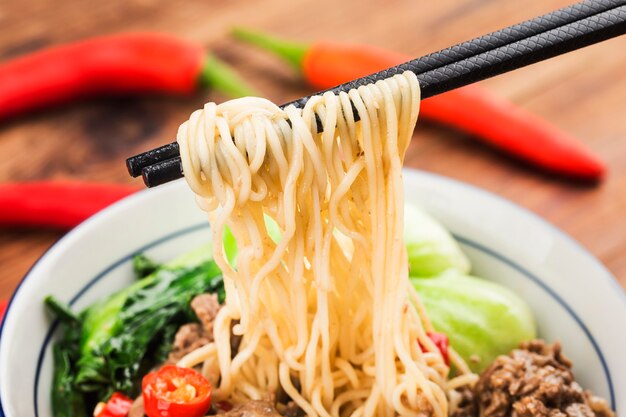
<point x="546" y="36"/>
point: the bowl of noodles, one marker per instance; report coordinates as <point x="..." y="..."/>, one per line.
<point x="327" y="281"/>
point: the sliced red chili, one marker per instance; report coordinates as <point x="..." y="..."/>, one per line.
<point x="443" y="345"/>
<point x="117" y="406"/>
<point x="176" y="392"/>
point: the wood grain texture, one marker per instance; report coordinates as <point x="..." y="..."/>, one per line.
<point x="583" y="92"/>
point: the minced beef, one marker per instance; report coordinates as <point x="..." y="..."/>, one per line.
<point x="292" y="410"/>
<point x="463" y="403"/>
<point x="535" y="380"/>
<point x="252" y="409"/>
<point x="194" y="335"/>
<point x="206" y="307"/>
<point x="188" y="338"/>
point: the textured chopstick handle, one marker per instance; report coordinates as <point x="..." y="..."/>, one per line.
<point x="514" y="33"/>
<point x="528" y="51"/>
<point x="163" y="172"/>
<point x="137" y="163"/>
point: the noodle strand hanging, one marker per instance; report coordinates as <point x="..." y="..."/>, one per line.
<point x="325" y="312"/>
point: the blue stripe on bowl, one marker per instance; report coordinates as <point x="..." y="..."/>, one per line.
<point x="486" y="250"/>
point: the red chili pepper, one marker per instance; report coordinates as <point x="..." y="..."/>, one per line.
<point x="441" y="341"/>
<point x="118" y="64"/>
<point x="471" y="109"/>
<point x="443" y="345"/>
<point x="176" y="392"/>
<point x="3" y="308"/>
<point x="117" y="406"/>
<point x="55" y="204"/>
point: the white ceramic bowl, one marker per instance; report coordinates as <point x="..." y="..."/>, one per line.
<point x="573" y="296"/>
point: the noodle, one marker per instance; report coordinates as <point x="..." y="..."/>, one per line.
<point x="328" y="305"/>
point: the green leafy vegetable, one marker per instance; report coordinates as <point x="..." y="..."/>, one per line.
<point x="230" y="243"/>
<point x="230" y="246"/>
<point x="481" y="318"/>
<point x="163" y="342"/>
<point x="144" y="266"/>
<point x="107" y="346"/>
<point x="148" y="311"/>
<point x="118" y="332"/>
<point x="66" y="401"/>
<point x="431" y="249"/>
<point x="62" y="311"/>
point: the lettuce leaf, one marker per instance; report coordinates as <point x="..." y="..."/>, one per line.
<point x="482" y="319"/>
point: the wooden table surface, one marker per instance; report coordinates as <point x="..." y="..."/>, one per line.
<point x="583" y="93"/>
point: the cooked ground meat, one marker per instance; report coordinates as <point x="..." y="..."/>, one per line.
<point x="292" y="410"/>
<point x="535" y="380"/>
<point x="194" y="335"/>
<point x="463" y="403"/>
<point x="188" y="338"/>
<point x="599" y="405"/>
<point x="206" y="307"/>
<point x="252" y="409"/>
